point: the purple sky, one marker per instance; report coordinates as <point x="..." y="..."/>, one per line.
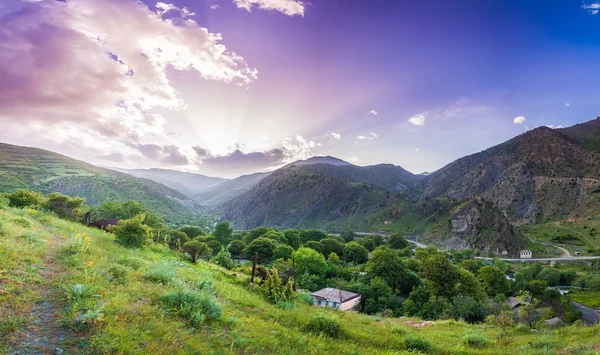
<point x="229" y="87"/>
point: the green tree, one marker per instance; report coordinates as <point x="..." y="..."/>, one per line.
<point x="276" y="236"/>
<point x="355" y="253"/>
<point x="236" y="248"/>
<point x="176" y="239"/>
<point x="386" y="264"/>
<point x="223" y="259"/>
<point x="293" y="238"/>
<point x="25" y="198"/>
<point x="223" y="232"/>
<point x="378" y="296"/>
<point x="311" y="235"/>
<point x="468" y="285"/>
<point x="310" y="261"/>
<point x="472" y="265"/>
<point x="333" y="258"/>
<point x="493" y="280"/>
<point x="440" y="274"/>
<point x="537" y="287"/>
<point x="348" y="236"/>
<point x="282" y="252"/>
<point x="192" y="231"/>
<point x="263" y="246"/>
<point x="132" y="232"/>
<point x="551" y="276"/>
<point x="331" y="245"/>
<point x="255" y="233"/>
<point x="368" y="243"/>
<point x="397" y="241"/>
<point x="314" y="245"/>
<point x="121" y="209"/>
<point x="197" y="249"/>
<point x="65" y="206"/>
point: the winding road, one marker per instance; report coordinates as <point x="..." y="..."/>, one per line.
<point x="588" y="315"/>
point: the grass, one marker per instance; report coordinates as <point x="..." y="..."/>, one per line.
<point x="205" y="309"/>
<point x="586" y="298"/>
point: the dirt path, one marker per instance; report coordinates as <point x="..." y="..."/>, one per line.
<point x="45" y="334"/>
<point x="565" y="252"/>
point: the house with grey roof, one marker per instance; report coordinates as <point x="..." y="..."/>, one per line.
<point x="335" y="298"/>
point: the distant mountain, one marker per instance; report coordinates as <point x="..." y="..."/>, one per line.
<point x="228" y="190"/>
<point x="189" y="184"/>
<point x="45" y="171"/>
<point x="298" y="196"/>
<point x="541" y="174"/>
<point x="320" y="160"/>
<point x="587" y="133"/>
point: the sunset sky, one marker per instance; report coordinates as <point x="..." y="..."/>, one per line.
<point x="230" y="87"/>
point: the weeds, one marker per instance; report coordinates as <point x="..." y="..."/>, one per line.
<point x="161" y="272"/>
<point x="413" y="342"/>
<point x="80" y="292"/>
<point x="326" y="326"/>
<point x="195" y="306"/>
<point x="475" y="340"/>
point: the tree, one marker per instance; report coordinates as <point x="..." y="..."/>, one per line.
<point x="276" y="236"/>
<point x="368" y="243"/>
<point x="132" y="232"/>
<point x="314" y="245"/>
<point x="331" y="245"/>
<point x="378" y="296"/>
<point x="310" y="261"/>
<point x="355" y="253"/>
<point x="236" y="248"/>
<point x="223" y="232"/>
<point x="312" y="235"/>
<point x="386" y="264"/>
<point x="348" y="236"/>
<point x="472" y="265"/>
<point x="197" y="249"/>
<point x="121" y="209"/>
<point x="263" y="246"/>
<point x="493" y="280"/>
<point x="397" y="241"/>
<point x="551" y="276"/>
<point x="255" y="233"/>
<point x="65" y="206"/>
<point x="176" y="239"/>
<point x="192" y="231"/>
<point x="333" y="258"/>
<point x="25" y="198"/>
<point x="537" y="287"/>
<point x="282" y="252"/>
<point x="223" y="259"/>
<point x="440" y="274"/>
<point x="468" y="285"/>
<point x="409" y="281"/>
<point x="293" y="238"/>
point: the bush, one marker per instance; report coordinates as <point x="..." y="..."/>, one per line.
<point x="195" y="306"/>
<point x="521" y="329"/>
<point x="236" y="248"/>
<point x="475" y="340"/>
<point x="223" y="259"/>
<point x="132" y="232"/>
<point x="134" y="263"/>
<point x="413" y="342"/>
<point x="118" y="273"/>
<point x="22" y="222"/>
<point x="161" y="272"/>
<point x="197" y="249"/>
<point x="542" y="343"/>
<point x="322" y="325"/>
<point x="25" y="198"/>
<point x="80" y="292"/>
<point x="306" y="298"/>
<point x="276" y="290"/>
<point x="64" y="206"/>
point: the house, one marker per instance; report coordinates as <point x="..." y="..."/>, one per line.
<point x="514" y="303"/>
<point x="335" y="298"/>
<point x="525" y="254"/>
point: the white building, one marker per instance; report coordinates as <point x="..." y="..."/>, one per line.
<point x="335" y="298"/>
<point x="525" y="254"/>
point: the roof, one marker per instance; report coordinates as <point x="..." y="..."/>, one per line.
<point x="553" y="321"/>
<point x="514" y="302"/>
<point x="334" y="295"/>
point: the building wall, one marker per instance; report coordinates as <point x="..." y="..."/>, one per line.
<point x="350" y="304"/>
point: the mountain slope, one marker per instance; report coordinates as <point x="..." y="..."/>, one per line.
<point x="45" y="171"/>
<point x="540" y="174"/>
<point x="298" y="197"/>
<point x="228" y="190"/>
<point x="587" y="133"/>
<point x="189" y="184"/>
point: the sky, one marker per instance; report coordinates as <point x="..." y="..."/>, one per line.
<point x="232" y="87"/>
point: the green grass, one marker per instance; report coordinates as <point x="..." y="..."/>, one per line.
<point x="205" y="309"/>
<point x="576" y="235"/>
<point x="586" y="298"/>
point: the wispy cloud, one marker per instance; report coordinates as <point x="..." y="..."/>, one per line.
<point x="288" y="7"/>
<point x="214" y="7"/>
<point x="568" y="104"/>
<point x="373" y="113"/>
<point x="519" y="120"/>
<point x="554" y="127"/>
<point x="592" y="8"/>
<point x="417" y="120"/>
<point x="354" y="159"/>
<point x="334" y="135"/>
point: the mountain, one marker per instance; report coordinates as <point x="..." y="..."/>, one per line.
<point x="587" y="133"/>
<point x="189" y="184"/>
<point x="228" y="190"/>
<point x="45" y="171"/>
<point x="298" y="196"/>
<point x="541" y="174"/>
<point x="319" y="160"/>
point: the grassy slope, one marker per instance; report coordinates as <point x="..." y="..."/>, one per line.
<point x="581" y="234"/>
<point x="133" y="321"/>
<point x="44" y="171"/>
<point x="586" y="298"/>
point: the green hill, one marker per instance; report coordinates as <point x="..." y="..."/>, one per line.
<point x="45" y="171"/>
<point x="127" y="292"/>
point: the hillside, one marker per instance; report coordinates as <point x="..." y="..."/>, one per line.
<point x="587" y="133"/>
<point x="297" y="196"/>
<point x="228" y="190"/>
<point x="44" y="171"/>
<point x="189" y="184"/>
<point x="540" y="174"/>
<point x="45" y="257"/>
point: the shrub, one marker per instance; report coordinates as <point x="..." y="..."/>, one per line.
<point x="276" y="290"/>
<point x="195" y="306"/>
<point x="197" y="249"/>
<point x="306" y="298"/>
<point x="118" y="273"/>
<point x="134" y="263"/>
<point x="176" y="239"/>
<point x="132" y="232"/>
<point x="322" y="325"/>
<point x="25" y="198"/>
<point x="64" y="206"/>
<point x="521" y="329"/>
<point x="80" y="292"/>
<point x="223" y="259"/>
<point x="22" y="222"/>
<point x="161" y="272"/>
<point x="413" y="342"/>
<point x="542" y="343"/>
<point x="475" y="340"/>
<point x="236" y="248"/>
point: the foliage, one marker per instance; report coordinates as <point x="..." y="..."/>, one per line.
<point x="197" y="249"/>
<point x="223" y="259"/>
<point x="64" y="206"/>
<point x="355" y="253"/>
<point x="413" y="342"/>
<point x="23" y="222"/>
<point x="314" y="235"/>
<point x="121" y="209"/>
<point x="348" y="236"/>
<point x="223" y="232"/>
<point x="324" y="326"/>
<point x="314" y="245"/>
<point x="468" y="285"/>
<point x="192" y="231"/>
<point x="368" y="243"/>
<point x="331" y="245"/>
<point x="236" y="248"/>
<point x="79" y="292"/>
<point x="440" y="275"/>
<point x="475" y="340"/>
<point x="195" y="306"/>
<point x="176" y="238"/>
<point x="264" y="247"/>
<point x="161" y="273"/>
<point x="132" y="232"/>
<point x="333" y="258"/>
<point x="293" y="238"/>
<point x="397" y="241"/>
<point x="309" y="261"/>
<point x="493" y="280"/>
<point x="25" y="198"/>
<point x="255" y="233"/>
<point x="276" y="290"/>
<point x="385" y="263"/>
<point x="282" y="252"/>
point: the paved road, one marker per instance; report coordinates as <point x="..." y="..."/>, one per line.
<point x="569" y="258"/>
<point x="589" y="315"/>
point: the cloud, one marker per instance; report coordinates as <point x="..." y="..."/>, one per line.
<point x="166" y="154"/>
<point x="567" y="104"/>
<point x="374" y="135"/>
<point x="300" y="148"/>
<point x="333" y="135"/>
<point x="373" y="113"/>
<point x="592" y="8"/>
<point x="554" y="127"/>
<point x="240" y="161"/>
<point x="417" y="150"/>
<point x="214" y="7"/>
<point x="113" y="156"/>
<point x="519" y="120"/>
<point x="99" y="68"/>
<point x="417" y="120"/>
<point x="288" y="7"/>
<point x="354" y="159"/>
